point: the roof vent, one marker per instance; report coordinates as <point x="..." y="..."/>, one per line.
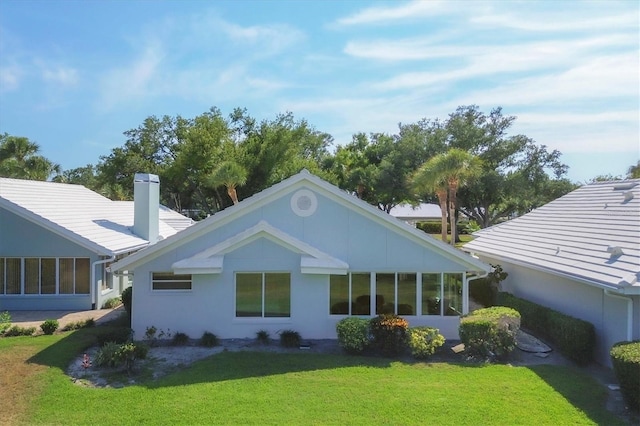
<point x="615" y="251"/>
<point x="624" y="186"/>
<point x="628" y="196"/>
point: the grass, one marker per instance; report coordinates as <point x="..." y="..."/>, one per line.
<point x="271" y="388"/>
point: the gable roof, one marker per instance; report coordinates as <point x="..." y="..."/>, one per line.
<point x="79" y="214"/>
<point x="591" y="234"/>
<point x="306" y="180"/>
<point x="313" y="261"/>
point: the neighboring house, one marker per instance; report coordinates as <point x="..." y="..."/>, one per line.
<point x="56" y="241"/>
<point x="579" y="254"/>
<point x="300" y="255"/>
<point x="420" y="213"/>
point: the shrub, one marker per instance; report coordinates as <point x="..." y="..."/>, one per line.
<point x="208" y="339"/>
<point x="625" y="357"/>
<point x="107" y="355"/>
<point x="19" y="331"/>
<point x="112" y="303"/>
<point x="126" y="297"/>
<point x="180" y="339"/>
<point x="353" y="334"/>
<point x="423" y="341"/>
<point x="49" y="326"/>
<point x="262" y="336"/>
<point x="5" y="321"/>
<point x="573" y="337"/>
<point x="490" y="332"/>
<point x="389" y="334"/>
<point x="75" y="325"/>
<point x="113" y="354"/>
<point x="290" y="338"/>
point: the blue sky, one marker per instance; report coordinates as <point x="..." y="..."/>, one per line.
<point x="74" y="75"/>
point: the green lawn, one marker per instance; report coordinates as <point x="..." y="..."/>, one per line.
<point x="301" y="388"/>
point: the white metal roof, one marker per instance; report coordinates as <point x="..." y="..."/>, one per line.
<point x="591" y="234"/>
<point x="79" y="214"/>
<point x="422" y="211"/>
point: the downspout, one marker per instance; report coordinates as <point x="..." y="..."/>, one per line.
<point x="629" y="311"/>
<point x="93" y="277"/>
<point x="465" y="301"/>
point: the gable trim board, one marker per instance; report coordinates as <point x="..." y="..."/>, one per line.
<point x="316" y="234"/>
<point x="210" y="261"/>
<point x="302" y="180"/>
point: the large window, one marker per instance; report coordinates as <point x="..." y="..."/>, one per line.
<point x="170" y="281"/>
<point x="396" y="293"/>
<point x="47" y="275"/>
<point x="266" y="295"/>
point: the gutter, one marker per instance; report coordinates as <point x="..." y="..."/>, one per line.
<point x="465" y="306"/>
<point x="629" y="311"/>
<point x="93" y="277"/>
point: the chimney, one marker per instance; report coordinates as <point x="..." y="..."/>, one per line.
<point x="146" y="203"/>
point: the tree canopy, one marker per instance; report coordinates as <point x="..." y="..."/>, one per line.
<point x="191" y="154"/>
<point x="20" y="159"/>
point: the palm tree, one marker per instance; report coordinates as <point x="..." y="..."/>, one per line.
<point x="445" y="173"/>
<point x="231" y="175"/>
<point x="19" y="159"/>
<point x="427" y="180"/>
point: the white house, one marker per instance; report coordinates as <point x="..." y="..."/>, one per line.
<point x="300" y="255"/>
<point x="56" y="241"/>
<point x="414" y="214"/>
<point x="579" y="255"/>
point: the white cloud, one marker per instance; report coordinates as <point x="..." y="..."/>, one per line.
<point x="412" y="10"/>
<point x="133" y="81"/>
<point x="64" y="76"/>
<point x="570" y="20"/>
<point x="10" y="78"/>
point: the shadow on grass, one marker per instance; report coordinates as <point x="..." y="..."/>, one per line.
<point x="61" y="353"/>
<point x="579" y="389"/>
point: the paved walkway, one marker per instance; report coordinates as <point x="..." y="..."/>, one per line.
<point x="35" y="318"/>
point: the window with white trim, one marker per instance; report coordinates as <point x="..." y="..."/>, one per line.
<point x="169" y="281"/>
<point x="263" y="294"/>
<point x="44" y="276"/>
<point x="396" y="293"/>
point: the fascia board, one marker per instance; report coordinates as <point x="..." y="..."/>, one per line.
<point x="556" y="272"/>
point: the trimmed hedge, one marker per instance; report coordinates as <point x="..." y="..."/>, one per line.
<point x="625" y="357"/>
<point x="389" y="334"/>
<point x="424" y="341"/>
<point x="353" y="334"/>
<point x="490" y="332"/>
<point x="574" y="338"/>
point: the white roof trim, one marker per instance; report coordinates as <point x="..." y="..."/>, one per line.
<point x="302" y="179"/>
<point x="210" y="265"/>
<point x="210" y="261"/>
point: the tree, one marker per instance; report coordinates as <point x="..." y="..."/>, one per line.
<point x="445" y="173"/>
<point x="426" y="180"/>
<point x="633" y="172"/>
<point x="85" y="176"/>
<point x="516" y="174"/>
<point x="19" y="159"/>
<point x="230" y="174"/>
<point x="377" y="168"/>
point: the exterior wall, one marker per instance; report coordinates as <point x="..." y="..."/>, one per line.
<point x="22" y="238"/>
<point x="608" y="315"/>
<point x="364" y="244"/>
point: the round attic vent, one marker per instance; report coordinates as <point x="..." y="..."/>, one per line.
<point x="304" y="203"/>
